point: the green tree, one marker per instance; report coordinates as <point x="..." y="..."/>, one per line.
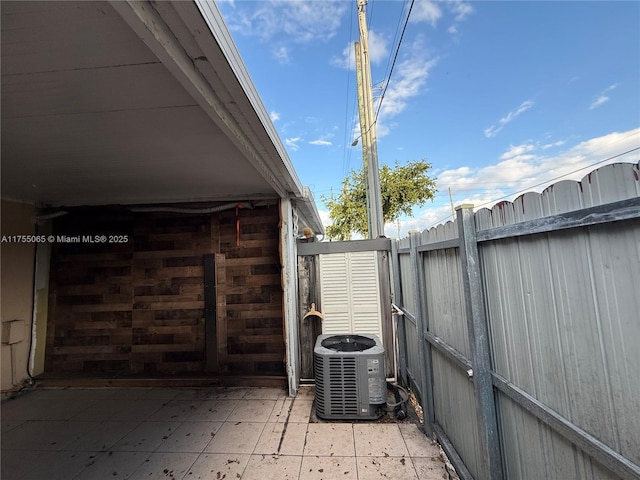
<point x="401" y="187"/>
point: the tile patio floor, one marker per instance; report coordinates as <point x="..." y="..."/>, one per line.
<point x="210" y="433"/>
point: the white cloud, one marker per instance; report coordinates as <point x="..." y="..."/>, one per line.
<point x="377" y="48"/>
<point x="520" y="169"/>
<point x="301" y="21"/>
<point x="461" y="9"/>
<point x="274" y="115"/>
<point x="425" y="11"/>
<point x="408" y="80"/>
<point x="324" y="217"/>
<point x="602" y="97"/>
<point x="524" y="168"/>
<point x="378" y="52"/>
<point x="281" y="54"/>
<point x="598" y="101"/>
<point x="493" y="130"/>
<point x="293" y="143"/>
<point x="410" y="77"/>
<point x="516" y="151"/>
<point x="320" y="142"/>
<point x="559" y="143"/>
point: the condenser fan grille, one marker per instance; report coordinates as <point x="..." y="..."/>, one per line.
<point x="320" y="390"/>
<point x="343" y="386"/>
<point x="348" y="343"/>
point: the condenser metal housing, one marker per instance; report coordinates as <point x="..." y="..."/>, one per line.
<point x="349" y="376"/>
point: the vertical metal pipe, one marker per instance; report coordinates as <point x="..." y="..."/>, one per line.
<point x="491" y="457"/>
<point x="401" y="332"/>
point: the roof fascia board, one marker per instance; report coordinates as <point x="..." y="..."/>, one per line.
<point x="150" y="27"/>
<point x="211" y="14"/>
<point x="308" y="211"/>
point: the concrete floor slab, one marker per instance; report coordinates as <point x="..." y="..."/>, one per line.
<point x="201" y="433"/>
<point x="252" y="411"/>
<point x="418" y="444"/>
<point x="324" y="468"/>
<point x="264" y="394"/>
<point x="374" y="468"/>
<point x="272" y="467"/>
<point x="139" y="410"/>
<point x="300" y="410"/>
<point x="190" y="437"/>
<point x="379" y="440"/>
<point x="114" y="465"/>
<point x="330" y="439"/>
<point x="168" y="465"/>
<point x="48" y="435"/>
<point x="430" y="468"/>
<point x="175" y="411"/>
<point x="281" y="410"/>
<point x="213" y="411"/>
<point x="236" y="437"/>
<point x="218" y="466"/>
<point x="102" y="437"/>
<point x="146" y="437"/>
<point x="61" y="466"/>
<point x="282" y="439"/>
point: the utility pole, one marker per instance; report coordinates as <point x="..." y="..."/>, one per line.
<point x="368" y="127"/>
<point x="453" y="210"/>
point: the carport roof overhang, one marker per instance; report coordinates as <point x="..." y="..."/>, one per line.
<point x="134" y="103"/>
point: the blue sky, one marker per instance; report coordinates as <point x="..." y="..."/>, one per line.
<point x="500" y="97"/>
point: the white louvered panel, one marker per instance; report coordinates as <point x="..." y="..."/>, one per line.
<point x="365" y="289"/>
<point x="334" y="292"/>
<point x="336" y="324"/>
<point x="350" y="293"/>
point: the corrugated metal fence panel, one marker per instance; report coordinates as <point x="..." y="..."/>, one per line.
<point x="406" y="281"/>
<point x="454" y="405"/>
<point x="413" y="357"/>
<point x="454" y="401"/>
<point x="444" y="290"/>
<point x="563" y="312"/>
<point x="531" y="449"/>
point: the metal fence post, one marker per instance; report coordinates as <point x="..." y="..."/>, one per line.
<point x="424" y="349"/>
<point x="401" y="332"/>
<point x="479" y="345"/>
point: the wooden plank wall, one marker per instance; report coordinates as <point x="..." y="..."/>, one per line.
<point x="168" y="293"/>
<point x="138" y="307"/>
<point x="255" y="329"/>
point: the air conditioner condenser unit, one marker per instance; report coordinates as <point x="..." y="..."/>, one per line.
<point x="350" y="378"/>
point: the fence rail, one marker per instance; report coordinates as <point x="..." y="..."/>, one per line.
<point x="519" y="331"/>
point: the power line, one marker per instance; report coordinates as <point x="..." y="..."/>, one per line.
<point x="559" y="177"/>
<point x="527" y="189"/>
<point x="395" y="37"/>
<point x="395" y="57"/>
